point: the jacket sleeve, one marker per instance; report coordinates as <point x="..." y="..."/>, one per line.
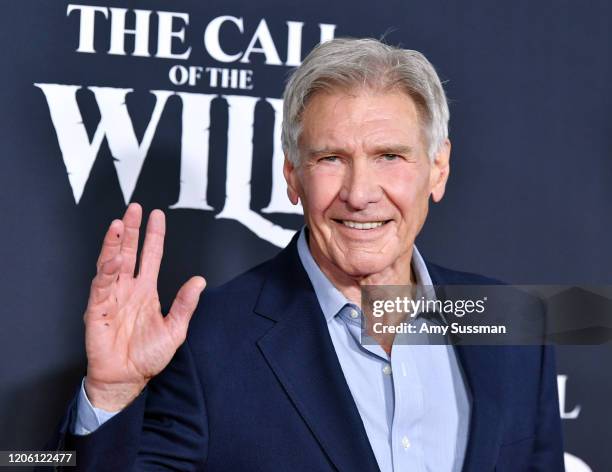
<point x="164" y="428"/>
<point x="548" y="447"/>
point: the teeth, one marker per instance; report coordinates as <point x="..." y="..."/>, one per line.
<point x="366" y="225"/>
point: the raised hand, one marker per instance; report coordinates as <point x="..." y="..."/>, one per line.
<point x="127" y="339"/>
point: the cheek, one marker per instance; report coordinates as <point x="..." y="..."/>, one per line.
<point x="320" y="192"/>
<point x="408" y="191"/>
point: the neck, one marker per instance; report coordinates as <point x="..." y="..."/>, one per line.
<point x="399" y="273"/>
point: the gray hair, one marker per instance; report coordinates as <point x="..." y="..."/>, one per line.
<point x="347" y="63"/>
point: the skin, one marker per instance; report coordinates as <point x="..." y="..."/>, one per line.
<point x="127" y="339"/>
<point x="363" y="158"/>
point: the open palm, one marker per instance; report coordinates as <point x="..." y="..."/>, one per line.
<point x="127" y="338"/>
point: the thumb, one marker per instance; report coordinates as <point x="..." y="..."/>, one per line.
<point x="183" y="307"/>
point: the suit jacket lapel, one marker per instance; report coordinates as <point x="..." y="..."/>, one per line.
<point x="300" y="352"/>
<point x="483" y="368"/>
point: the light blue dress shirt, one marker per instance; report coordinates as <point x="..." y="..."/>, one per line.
<point x="414" y="404"/>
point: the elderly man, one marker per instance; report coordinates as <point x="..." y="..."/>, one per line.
<point x="272" y="375"/>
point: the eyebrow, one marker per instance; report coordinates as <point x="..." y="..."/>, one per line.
<point x="379" y="149"/>
<point x="321" y="151"/>
<point x="393" y="149"/>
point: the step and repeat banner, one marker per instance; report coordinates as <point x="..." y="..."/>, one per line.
<point x="177" y="105"/>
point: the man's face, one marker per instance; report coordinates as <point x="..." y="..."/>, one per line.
<point x="364" y="180"/>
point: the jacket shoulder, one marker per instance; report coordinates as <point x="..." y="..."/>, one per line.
<point x="240" y="290"/>
<point x="444" y="276"/>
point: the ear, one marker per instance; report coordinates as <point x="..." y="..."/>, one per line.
<point x="290" y="173"/>
<point x="439" y="172"/>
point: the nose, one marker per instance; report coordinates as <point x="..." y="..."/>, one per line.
<point x="360" y="187"/>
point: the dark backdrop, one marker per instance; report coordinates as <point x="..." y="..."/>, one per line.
<point x="528" y="199"/>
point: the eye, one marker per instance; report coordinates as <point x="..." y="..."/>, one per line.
<point x="390" y="157"/>
<point x="328" y="159"/>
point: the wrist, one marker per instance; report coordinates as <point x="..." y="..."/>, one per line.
<point x="111" y="397"/>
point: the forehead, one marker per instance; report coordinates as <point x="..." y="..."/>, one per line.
<point x="359" y="118"/>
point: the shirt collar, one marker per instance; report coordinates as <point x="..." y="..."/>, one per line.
<point x="330" y="298"/>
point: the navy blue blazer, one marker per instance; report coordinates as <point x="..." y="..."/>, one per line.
<point x="257" y="386"/>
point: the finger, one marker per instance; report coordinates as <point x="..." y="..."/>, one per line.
<point x="183" y="307"/>
<point x="153" y="247"/>
<point x="111" y="246"/>
<point x="103" y="283"/>
<point x="129" y="247"/>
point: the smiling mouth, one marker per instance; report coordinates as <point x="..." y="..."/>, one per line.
<point x="363" y="225"/>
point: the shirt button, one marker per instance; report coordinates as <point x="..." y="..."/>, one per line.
<point x="354" y="314"/>
<point x="387" y="370"/>
<point x="405" y="442"/>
